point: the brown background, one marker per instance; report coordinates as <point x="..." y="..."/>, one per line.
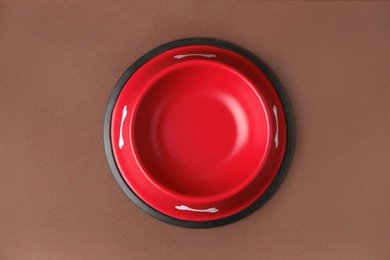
<point x="59" y="62"/>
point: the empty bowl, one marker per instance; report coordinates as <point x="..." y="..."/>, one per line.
<point x="198" y="133"/>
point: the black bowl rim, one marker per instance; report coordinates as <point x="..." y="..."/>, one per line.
<point x="289" y="123"/>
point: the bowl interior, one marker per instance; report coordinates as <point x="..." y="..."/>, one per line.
<point x="201" y="130"/>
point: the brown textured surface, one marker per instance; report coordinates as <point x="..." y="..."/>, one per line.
<point x="59" y="62"/>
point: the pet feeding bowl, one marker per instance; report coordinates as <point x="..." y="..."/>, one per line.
<point x="198" y="133"/>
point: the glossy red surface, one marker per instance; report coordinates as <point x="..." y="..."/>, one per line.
<point x="199" y="123"/>
<point x="200" y="136"/>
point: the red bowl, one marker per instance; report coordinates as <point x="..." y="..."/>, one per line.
<point x="198" y="133"/>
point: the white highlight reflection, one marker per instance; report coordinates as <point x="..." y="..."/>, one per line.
<point x="124" y="113"/>
<point x="210" y="210"/>
<point x="277" y="127"/>
<point x="181" y="56"/>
